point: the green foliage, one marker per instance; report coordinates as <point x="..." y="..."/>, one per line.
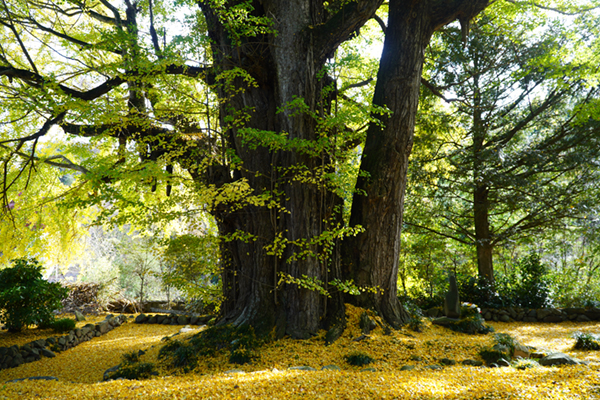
<point x="504" y="339"/>
<point x="241" y="343"/>
<point x="525" y="363"/>
<point x="132" y="368"/>
<point x="358" y="359"/>
<point x="63" y="325"/>
<point x="471" y="325"/>
<point x="192" y="266"/>
<point x="586" y="341"/>
<point x="26" y="298"/>
<point x="532" y="289"/>
<point x="526" y="285"/>
<point x="502" y="348"/>
<point x="415" y="321"/>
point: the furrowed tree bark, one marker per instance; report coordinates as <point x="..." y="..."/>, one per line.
<point x="286" y="66"/>
<point x="372" y="256"/>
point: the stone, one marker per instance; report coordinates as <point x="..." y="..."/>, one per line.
<point x="194" y="320"/>
<point x="185" y="329"/>
<point x="234" y="371"/>
<point x="368" y="369"/>
<point x="152" y="320"/>
<point x="447" y="361"/>
<point x="553" y="318"/>
<point x="487" y="316"/>
<point x="330" y="367"/>
<point x="558" y="359"/>
<point x="48" y="353"/>
<point x="582" y="318"/>
<point x="543" y="313"/>
<point x="17" y="360"/>
<point x="35" y="378"/>
<point x="521" y="351"/>
<point x="504" y="318"/>
<point x="452" y="300"/>
<point x="103" y="327"/>
<point x="475" y="363"/>
<point x="416" y="358"/>
<point x="79" y="316"/>
<point x="40" y="343"/>
<point x="407" y="368"/>
<point x="302" y="368"/>
<point x="433" y="367"/>
<point x="433" y="312"/>
<point x="140" y="319"/>
<point x="78" y="333"/>
<point x="183" y="320"/>
<point x="105" y="376"/>
<point x="366" y="323"/>
<point x="530" y="319"/>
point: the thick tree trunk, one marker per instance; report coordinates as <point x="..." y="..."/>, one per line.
<point x="372" y="257"/>
<point x="286" y="68"/>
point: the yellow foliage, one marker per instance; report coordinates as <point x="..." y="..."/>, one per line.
<point x="80" y="369"/>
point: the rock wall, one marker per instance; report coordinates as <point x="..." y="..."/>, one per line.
<point x="172" y="319"/>
<point x="13" y="356"/>
<point x="509" y="314"/>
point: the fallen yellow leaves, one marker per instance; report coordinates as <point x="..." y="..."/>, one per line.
<point x="80" y="369"/>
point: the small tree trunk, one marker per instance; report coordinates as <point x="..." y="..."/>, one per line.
<point x="483" y="240"/>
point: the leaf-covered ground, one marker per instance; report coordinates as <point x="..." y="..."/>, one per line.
<point x="80" y="369"/>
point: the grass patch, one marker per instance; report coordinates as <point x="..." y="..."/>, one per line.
<point x="586" y="341"/>
<point x="358" y="359"/>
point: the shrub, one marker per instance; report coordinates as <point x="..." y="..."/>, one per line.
<point x="132" y="368"/>
<point x="525" y="364"/>
<point x="532" y="290"/>
<point x="471" y="325"/>
<point x="359" y="359"/>
<point x="240" y="341"/>
<point x="504" y="339"/>
<point x="586" y="341"/>
<point x="26" y="298"/>
<point x="63" y="325"/>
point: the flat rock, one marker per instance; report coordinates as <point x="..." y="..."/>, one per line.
<point x="558" y="359"/>
<point x="302" y="368"/>
<point x="331" y="367"/>
<point x="35" y="378"/>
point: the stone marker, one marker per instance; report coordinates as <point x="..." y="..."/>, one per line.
<point x="452" y="303"/>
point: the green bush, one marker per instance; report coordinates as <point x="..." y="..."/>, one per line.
<point x="586" y="341"/>
<point x="525" y="364"/>
<point x="63" y="325"/>
<point x="240" y="341"/>
<point x="26" y="298"/>
<point x="471" y="325"/>
<point x="359" y="359"/>
<point x="132" y="368"/>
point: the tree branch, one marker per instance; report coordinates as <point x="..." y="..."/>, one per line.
<point x="341" y="26"/>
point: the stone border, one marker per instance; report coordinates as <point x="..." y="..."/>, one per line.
<point x="550" y="315"/>
<point x="13" y="356"/>
<point x="172" y="319"/>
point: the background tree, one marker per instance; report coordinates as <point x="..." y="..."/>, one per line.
<point x="238" y="116"/>
<point x="521" y="149"/>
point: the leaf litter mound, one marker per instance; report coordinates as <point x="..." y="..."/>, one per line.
<point x="80" y="369"/>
